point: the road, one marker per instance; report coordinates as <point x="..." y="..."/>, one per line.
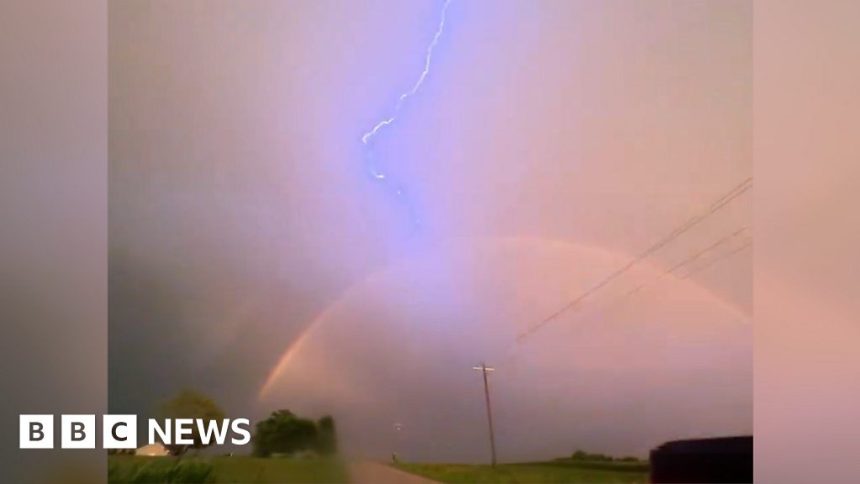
<point x="368" y="472"/>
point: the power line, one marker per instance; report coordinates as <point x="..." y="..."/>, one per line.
<point x="683" y="263"/>
<point x="735" y="192"/>
<point x="713" y="261"/>
<point x="690" y="259"/>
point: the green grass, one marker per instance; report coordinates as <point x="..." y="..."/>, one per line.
<point x="236" y="469"/>
<point x="561" y="471"/>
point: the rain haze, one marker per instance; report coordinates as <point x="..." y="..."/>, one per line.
<point x="264" y="254"/>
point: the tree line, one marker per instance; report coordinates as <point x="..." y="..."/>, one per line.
<point x="281" y="433"/>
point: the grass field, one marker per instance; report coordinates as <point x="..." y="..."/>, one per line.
<point x="562" y="471"/>
<point x="242" y="469"/>
<point x="237" y="469"/>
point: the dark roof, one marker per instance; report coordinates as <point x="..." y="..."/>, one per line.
<point x="719" y="445"/>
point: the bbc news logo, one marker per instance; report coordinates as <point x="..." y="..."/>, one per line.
<point x="120" y="431"/>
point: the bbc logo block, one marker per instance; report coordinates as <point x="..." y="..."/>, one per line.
<point x="119" y="431"/>
<point x="77" y="431"/>
<point x="36" y="432"/>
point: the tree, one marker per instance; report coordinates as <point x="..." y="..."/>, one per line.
<point x="582" y="455"/>
<point x="194" y="405"/>
<point x="326" y="436"/>
<point x="579" y="455"/>
<point x="285" y="433"/>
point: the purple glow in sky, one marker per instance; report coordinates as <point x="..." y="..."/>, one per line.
<point x="373" y="164"/>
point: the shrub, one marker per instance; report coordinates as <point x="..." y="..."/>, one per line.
<point x="159" y="470"/>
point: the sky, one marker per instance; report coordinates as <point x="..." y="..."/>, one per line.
<point x="254" y="257"/>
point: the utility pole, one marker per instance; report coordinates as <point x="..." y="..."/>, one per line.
<point x="484" y="369"/>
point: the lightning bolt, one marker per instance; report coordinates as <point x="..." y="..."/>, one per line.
<point x="368" y="138"/>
